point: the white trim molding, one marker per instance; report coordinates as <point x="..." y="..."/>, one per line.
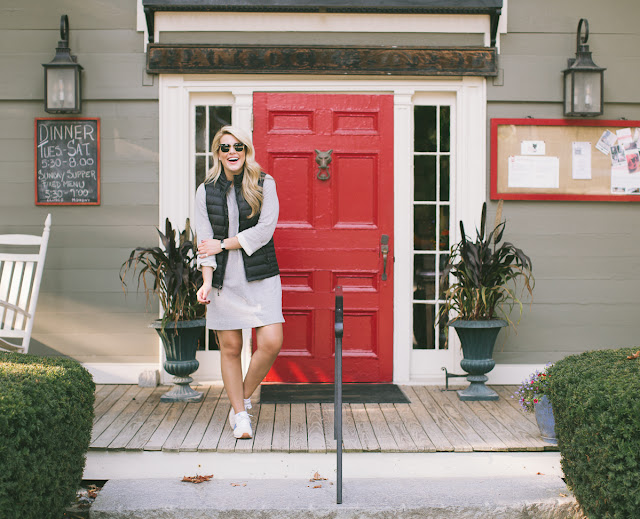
<point x="118" y="372"/>
<point x="467" y="97"/>
<point x="283" y="22"/>
<point x="502" y="374"/>
<point x="512" y="373"/>
<point x="320" y="22"/>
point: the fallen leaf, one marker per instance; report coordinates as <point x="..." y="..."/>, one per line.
<point x="634" y="356"/>
<point x="317" y="477"/>
<point x="317" y="486"/>
<point x="238" y="484"/>
<point x="196" y="478"/>
<point x="563" y="495"/>
<point x="539" y="474"/>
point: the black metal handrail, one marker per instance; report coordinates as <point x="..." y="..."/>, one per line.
<point x="337" y="401"/>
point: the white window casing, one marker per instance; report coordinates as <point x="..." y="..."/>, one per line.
<point x="467" y="98"/>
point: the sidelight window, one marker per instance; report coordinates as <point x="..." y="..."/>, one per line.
<point x="431" y="210"/>
<point x="208" y="120"/>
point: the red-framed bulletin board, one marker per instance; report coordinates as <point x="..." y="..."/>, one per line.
<point x="565" y="159"/>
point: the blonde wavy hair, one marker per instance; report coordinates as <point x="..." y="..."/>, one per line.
<point x="251" y="191"/>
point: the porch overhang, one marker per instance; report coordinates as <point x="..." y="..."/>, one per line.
<point x="492" y="8"/>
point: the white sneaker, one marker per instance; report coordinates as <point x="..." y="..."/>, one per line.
<point x="232" y="413"/>
<point x="242" y="428"/>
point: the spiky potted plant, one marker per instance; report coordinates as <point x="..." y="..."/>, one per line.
<point x="176" y="279"/>
<point x="483" y="275"/>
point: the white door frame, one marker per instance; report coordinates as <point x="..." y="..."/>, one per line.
<point x="468" y="172"/>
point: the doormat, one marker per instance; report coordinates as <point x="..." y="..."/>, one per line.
<point x="324" y="393"/>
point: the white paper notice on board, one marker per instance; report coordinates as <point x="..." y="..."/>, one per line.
<point x="623" y="182"/>
<point x="532" y="171"/>
<point x="532" y="148"/>
<point x="581" y="160"/>
<point x="606" y="140"/>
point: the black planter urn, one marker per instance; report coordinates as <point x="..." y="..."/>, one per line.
<point x="180" y="341"/>
<point x="478" y="339"/>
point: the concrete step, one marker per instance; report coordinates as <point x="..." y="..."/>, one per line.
<point x="301" y="465"/>
<point x="527" y="497"/>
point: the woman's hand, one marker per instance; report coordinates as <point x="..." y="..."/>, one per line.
<point x="208" y="248"/>
<point x="203" y="294"/>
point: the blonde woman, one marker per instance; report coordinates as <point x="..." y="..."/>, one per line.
<point x="236" y="215"/>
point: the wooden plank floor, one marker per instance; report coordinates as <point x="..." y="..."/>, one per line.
<point x="129" y="418"/>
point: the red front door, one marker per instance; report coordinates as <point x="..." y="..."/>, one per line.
<point x="330" y="230"/>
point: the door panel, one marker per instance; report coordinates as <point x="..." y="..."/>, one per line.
<point x="329" y="231"/>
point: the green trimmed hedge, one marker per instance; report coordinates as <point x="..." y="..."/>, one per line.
<point x="596" y="406"/>
<point x="46" y="415"/>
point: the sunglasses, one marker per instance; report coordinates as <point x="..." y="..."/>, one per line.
<point x="238" y="146"/>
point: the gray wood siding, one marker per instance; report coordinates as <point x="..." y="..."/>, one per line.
<point x="82" y="311"/>
<point x="542" y="36"/>
<point x="102" y="35"/>
<point x="584" y="253"/>
<point x="585" y="258"/>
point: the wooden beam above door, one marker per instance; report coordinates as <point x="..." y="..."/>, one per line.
<point x="291" y="59"/>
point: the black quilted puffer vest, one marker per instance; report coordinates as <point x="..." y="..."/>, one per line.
<point x="262" y="263"/>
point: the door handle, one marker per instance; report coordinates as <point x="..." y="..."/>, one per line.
<point x="384" y="240"/>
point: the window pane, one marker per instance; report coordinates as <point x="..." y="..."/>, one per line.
<point x="219" y="116"/>
<point x="424" y="227"/>
<point x="444" y="283"/>
<point x="444" y="178"/>
<point x="201" y="128"/>
<point x="213" y="341"/>
<point x="424" y="276"/>
<point x="445" y="124"/>
<point x="201" y="340"/>
<point x="425" y="128"/>
<point x="424" y="333"/>
<point x="444" y="227"/>
<point x="442" y="332"/>
<point x="201" y="169"/>
<point x="208" y="341"/>
<point x="424" y="178"/>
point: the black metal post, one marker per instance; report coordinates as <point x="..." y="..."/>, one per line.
<point x="337" y="402"/>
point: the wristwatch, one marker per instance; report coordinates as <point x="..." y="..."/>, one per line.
<point x="222" y="247"/>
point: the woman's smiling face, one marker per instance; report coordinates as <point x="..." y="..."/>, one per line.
<point x="233" y="160"/>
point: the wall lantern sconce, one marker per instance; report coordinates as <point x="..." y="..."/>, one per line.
<point x="62" y="90"/>
<point x="583" y="79"/>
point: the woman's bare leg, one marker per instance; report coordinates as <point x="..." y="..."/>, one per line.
<point x="230" y="342"/>
<point x="269" y="341"/>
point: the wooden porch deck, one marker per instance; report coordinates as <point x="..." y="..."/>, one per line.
<point x="130" y="418"/>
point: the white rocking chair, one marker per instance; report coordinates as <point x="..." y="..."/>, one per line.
<point x="20" y="276"/>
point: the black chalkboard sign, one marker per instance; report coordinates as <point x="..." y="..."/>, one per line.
<point x="67" y="161"/>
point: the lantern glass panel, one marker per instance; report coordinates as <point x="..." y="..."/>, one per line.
<point x="568" y="88"/>
<point x="586" y="91"/>
<point x="61" y="88"/>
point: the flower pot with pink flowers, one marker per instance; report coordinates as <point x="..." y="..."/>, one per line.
<point x="533" y="398"/>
